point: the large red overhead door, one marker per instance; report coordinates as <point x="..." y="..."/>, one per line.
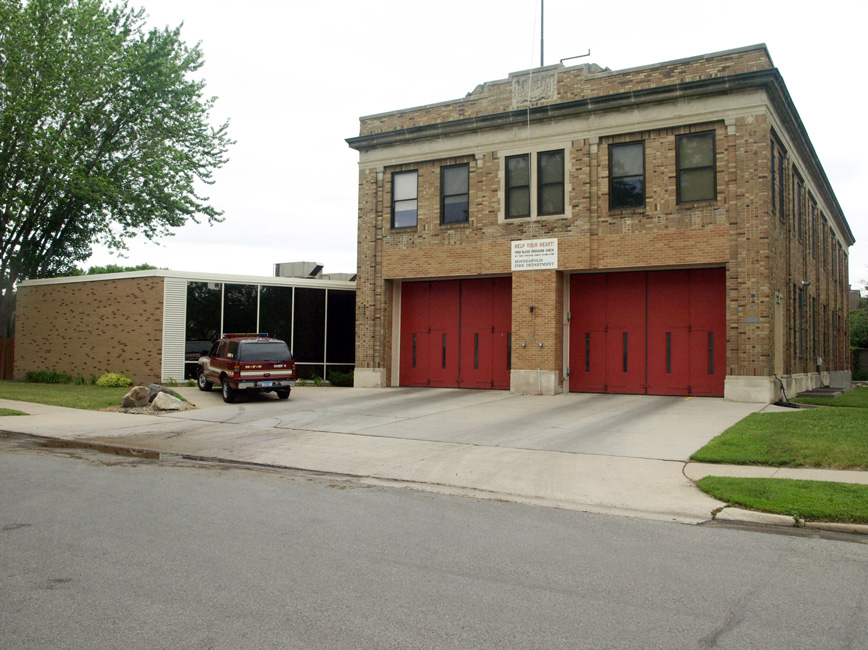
<point x="660" y="333"/>
<point x="456" y="333"/>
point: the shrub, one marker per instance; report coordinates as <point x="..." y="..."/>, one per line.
<point x="114" y="380"/>
<point x="80" y="381"/>
<point x="47" y="377"/>
<point x="860" y="375"/>
<point x="317" y="380"/>
<point x="337" y="378"/>
<point x="301" y="383"/>
<point x="171" y="382"/>
<point x="191" y="383"/>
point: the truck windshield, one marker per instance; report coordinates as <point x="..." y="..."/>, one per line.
<point x="264" y="351"/>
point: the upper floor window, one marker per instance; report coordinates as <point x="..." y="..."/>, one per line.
<point x="550" y="189"/>
<point x="518" y="186"/>
<point x="696" y="172"/>
<point x="823" y="255"/>
<point x="797" y="198"/>
<point x="777" y="180"/>
<point x="781" y="186"/>
<point x="454" y="193"/>
<point x="627" y="176"/>
<point x="534" y="184"/>
<point x="405" y="204"/>
<point x="773" y="177"/>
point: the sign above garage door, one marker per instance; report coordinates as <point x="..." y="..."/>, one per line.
<point x="534" y="254"/>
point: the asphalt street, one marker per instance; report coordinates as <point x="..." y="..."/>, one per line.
<point x="101" y="551"/>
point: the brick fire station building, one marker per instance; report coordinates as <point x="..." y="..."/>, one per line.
<point x="662" y="230"/>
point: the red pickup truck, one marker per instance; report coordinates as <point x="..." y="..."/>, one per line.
<point x="251" y="362"/>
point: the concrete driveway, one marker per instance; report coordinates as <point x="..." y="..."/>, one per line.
<point x="634" y="426"/>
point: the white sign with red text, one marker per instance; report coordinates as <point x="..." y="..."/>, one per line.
<point x="534" y="254"/>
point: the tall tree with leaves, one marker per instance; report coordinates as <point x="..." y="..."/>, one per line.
<point x="105" y="134"/>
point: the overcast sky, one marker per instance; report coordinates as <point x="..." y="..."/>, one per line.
<point x="294" y="77"/>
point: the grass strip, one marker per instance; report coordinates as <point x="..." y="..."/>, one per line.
<point x="857" y="398"/>
<point x="69" y="395"/>
<point x="11" y="412"/>
<point x="827" y="438"/>
<point x="814" y="500"/>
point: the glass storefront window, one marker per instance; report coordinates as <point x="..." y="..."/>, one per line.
<point x="239" y="308"/>
<point x="275" y="312"/>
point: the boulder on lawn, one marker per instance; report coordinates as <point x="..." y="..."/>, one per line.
<point x="138" y="396"/>
<point x="165" y="402"/>
<point x="156" y="389"/>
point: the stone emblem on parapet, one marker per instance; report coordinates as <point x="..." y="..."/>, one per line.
<point x="534" y="87"/>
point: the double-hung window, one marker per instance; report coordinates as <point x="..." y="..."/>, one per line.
<point x="454" y="194"/>
<point x="518" y="186"/>
<point x="627" y="176"/>
<point x="777" y="178"/>
<point x="405" y="203"/>
<point x="696" y="171"/>
<point x="797" y="197"/>
<point x="550" y="182"/>
<point x="542" y="174"/>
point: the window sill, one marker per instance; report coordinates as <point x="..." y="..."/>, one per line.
<point x="697" y="204"/>
<point x="626" y="212"/>
<point x="548" y="217"/>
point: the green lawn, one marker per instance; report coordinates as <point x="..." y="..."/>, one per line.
<point x="11" y="412"/>
<point x="822" y="437"/>
<point x="815" y="500"/>
<point x="830" y="438"/>
<point x="80" y="397"/>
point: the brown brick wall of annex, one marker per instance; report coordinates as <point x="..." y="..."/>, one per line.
<point x="106" y="326"/>
<point x="574" y="83"/>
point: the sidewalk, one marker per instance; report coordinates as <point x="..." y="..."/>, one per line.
<point x="592" y="482"/>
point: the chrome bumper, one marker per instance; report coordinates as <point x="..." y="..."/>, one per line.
<point x="266" y="384"/>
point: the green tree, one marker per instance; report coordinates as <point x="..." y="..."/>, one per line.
<point x="114" y="268"/>
<point x="105" y="135"/>
<point x="859" y="328"/>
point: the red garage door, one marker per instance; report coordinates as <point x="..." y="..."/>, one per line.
<point x="456" y="333"/>
<point x="660" y="333"/>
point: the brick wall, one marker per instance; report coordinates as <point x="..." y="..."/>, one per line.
<point x="742" y="230"/>
<point x="537" y="334"/>
<point x="90" y="328"/>
<point x="662" y="235"/>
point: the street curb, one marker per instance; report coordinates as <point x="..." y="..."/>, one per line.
<point x="725" y="514"/>
<point x="371" y="479"/>
<point x="859" y="529"/>
<point x="751" y="517"/>
<point x="739" y="515"/>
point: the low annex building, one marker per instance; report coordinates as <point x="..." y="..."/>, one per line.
<point x="153" y="325"/>
<point x="661" y="230"/>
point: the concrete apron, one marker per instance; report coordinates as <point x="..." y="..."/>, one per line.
<point x="598" y="453"/>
